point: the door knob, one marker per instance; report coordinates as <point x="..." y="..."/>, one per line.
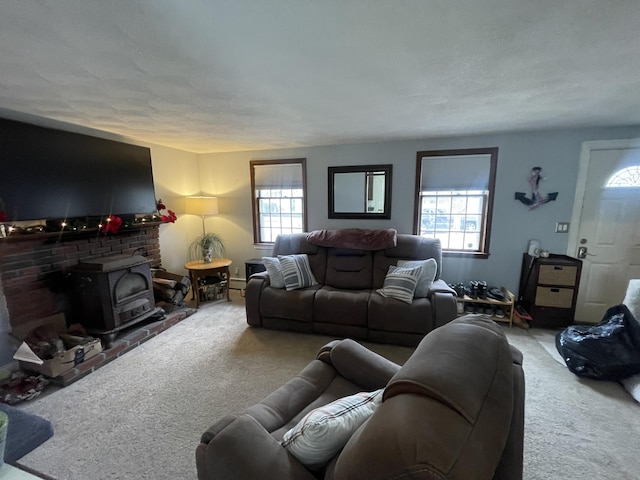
<point x="582" y="253"/>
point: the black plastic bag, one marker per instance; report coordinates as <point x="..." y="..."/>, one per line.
<point x="609" y="350"/>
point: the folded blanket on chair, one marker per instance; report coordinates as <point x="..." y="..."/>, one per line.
<point x="356" y="238"/>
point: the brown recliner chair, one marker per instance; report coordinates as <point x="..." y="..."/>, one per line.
<point x="455" y="410"/>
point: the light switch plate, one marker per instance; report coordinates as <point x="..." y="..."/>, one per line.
<point x="562" y="227"/>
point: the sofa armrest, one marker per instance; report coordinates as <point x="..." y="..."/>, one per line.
<point x="243" y="449"/>
<point x="217" y="427"/>
<point x="443" y="300"/>
<point x="440" y="286"/>
<point x="256" y="284"/>
<point x="358" y="364"/>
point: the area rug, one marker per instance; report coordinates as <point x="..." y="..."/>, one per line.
<point x="25" y="432"/>
<point x="141" y="416"/>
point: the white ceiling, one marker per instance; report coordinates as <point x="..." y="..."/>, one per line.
<point x="223" y="75"/>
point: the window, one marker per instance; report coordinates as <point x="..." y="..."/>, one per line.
<point x="278" y="198"/>
<point x="454" y="198"/>
<point x="625" y="178"/>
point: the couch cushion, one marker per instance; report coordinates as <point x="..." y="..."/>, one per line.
<point x="344" y="307"/>
<point x="400" y="283"/>
<point x="349" y="269"/>
<point x="476" y="341"/>
<point x="293" y="305"/>
<point x="296" y="271"/>
<point x="388" y="314"/>
<point x="428" y="274"/>
<point x="324" y="431"/>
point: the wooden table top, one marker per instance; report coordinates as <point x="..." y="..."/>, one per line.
<point x="215" y="263"/>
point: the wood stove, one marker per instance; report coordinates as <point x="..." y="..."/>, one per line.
<point x="112" y="293"/>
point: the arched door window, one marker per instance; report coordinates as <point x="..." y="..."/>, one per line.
<point x="624" y="178"/>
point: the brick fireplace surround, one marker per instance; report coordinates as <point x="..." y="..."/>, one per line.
<point x="33" y="273"/>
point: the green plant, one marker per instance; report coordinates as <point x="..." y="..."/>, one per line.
<point x="205" y="243"/>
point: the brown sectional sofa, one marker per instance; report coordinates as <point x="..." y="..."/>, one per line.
<point x="345" y="302"/>
<point x="454" y="410"/>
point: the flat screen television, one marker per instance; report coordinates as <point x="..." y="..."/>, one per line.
<point x="47" y="173"/>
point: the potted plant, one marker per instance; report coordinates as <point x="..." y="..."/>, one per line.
<point x="206" y="246"/>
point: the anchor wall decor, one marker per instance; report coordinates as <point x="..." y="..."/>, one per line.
<point x="536" y="198"/>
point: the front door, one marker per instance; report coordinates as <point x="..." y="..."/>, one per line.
<point x="606" y="225"/>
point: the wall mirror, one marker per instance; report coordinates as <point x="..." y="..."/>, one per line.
<point x="362" y="191"/>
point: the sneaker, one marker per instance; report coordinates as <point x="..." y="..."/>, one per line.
<point x="488" y="310"/>
<point x="499" y="312"/>
<point x="470" y="308"/>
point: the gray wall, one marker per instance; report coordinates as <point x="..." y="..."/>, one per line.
<point x="557" y="152"/>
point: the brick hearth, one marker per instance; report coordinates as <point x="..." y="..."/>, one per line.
<point x="33" y="272"/>
<point x="125" y="342"/>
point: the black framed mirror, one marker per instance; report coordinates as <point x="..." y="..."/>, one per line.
<point x="360" y="192"/>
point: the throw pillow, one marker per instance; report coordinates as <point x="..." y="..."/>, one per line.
<point x="274" y="270"/>
<point x="323" y="432"/>
<point x="428" y="275"/>
<point x="296" y="271"/>
<point x="400" y="283"/>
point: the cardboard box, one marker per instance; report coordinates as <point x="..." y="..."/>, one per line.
<point x="88" y="347"/>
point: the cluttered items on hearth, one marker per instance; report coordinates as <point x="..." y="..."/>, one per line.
<point x="51" y="348"/>
<point x="20" y="387"/>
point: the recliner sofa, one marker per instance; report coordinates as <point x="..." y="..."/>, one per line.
<point x="345" y="302"/>
<point x="454" y="410"/>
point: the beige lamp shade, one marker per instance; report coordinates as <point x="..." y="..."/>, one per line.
<point x="203" y="206"/>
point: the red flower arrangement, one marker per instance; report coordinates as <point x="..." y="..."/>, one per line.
<point x="170" y="217"/>
<point x="4" y="216"/>
<point x="112" y="224"/>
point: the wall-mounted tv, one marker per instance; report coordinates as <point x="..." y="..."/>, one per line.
<point x="53" y="174"/>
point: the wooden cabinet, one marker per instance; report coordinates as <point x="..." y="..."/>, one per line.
<point x="549" y="289"/>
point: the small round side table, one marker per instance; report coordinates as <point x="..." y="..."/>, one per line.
<point x="198" y="269"/>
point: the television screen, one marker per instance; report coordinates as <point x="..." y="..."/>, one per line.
<point x="49" y="174"/>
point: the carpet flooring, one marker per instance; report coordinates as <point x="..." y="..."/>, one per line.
<point x="141" y="416"/>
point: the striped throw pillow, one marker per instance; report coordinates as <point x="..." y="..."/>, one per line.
<point x="296" y="271"/>
<point x="400" y="283"/>
<point x="323" y="432"/>
<point x="428" y="275"/>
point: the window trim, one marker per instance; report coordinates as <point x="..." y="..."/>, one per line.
<point x="488" y="214"/>
<point x="255" y="199"/>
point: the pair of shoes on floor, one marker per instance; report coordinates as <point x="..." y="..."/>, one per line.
<point x="488" y="310"/>
<point x="477" y="289"/>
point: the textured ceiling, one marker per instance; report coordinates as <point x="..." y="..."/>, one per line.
<point x="212" y="75"/>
